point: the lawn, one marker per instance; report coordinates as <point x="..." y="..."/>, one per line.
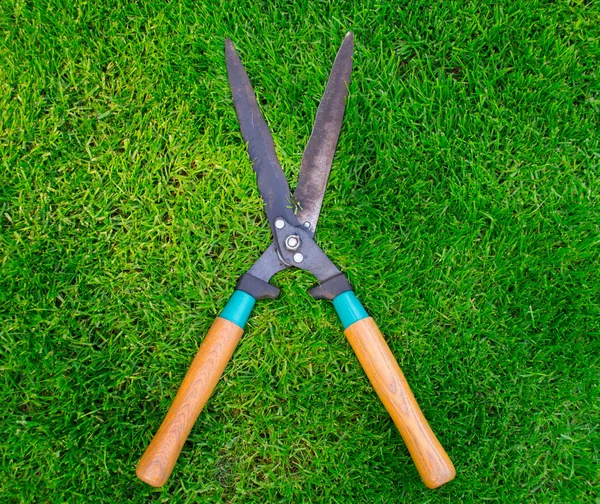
<point x="463" y="204"/>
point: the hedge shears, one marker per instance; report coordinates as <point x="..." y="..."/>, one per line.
<point x="293" y="220"/>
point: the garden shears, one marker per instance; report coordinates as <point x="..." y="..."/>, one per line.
<point x="293" y="221"/>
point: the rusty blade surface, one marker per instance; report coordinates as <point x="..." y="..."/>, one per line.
<point x="272" y="184"/>
<point x="319" y="152"/>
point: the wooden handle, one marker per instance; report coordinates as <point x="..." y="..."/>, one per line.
<point x="387" y="379"/>
<point x="206" y="369"/>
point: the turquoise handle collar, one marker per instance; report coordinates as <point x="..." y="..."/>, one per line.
<point x="349" y="308"/>
<point x="238" y="308"/>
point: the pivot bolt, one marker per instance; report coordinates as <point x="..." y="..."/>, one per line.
<point x="279" y="223"/>
<point x="292" y="242"/>
<point x="298" y="257"/>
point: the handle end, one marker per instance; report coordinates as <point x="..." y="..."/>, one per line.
<point x="444" y="474"/>
<point x="151" y="473"/>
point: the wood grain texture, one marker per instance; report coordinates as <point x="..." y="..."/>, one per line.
<point x="387" y="379"/>
<point x="206" y="369"/>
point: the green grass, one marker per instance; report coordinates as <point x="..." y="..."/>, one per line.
<point x="463" y="205"/>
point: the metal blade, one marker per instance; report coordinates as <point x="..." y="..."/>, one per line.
<point x="319" y="152"/>
<point x="272" y="184"/>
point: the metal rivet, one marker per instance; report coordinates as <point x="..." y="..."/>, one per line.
<point x="279" y="223"/>
<point x="307" y="224"/>
<point x="298" y="257"/>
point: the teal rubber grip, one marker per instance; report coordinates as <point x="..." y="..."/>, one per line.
<point x="349" y="309"/>
<point x="238" y="308"/>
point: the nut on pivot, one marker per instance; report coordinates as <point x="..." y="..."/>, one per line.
<point x="292" y="242"/>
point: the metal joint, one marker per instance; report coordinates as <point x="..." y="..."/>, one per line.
<point x="292" y="242"/>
